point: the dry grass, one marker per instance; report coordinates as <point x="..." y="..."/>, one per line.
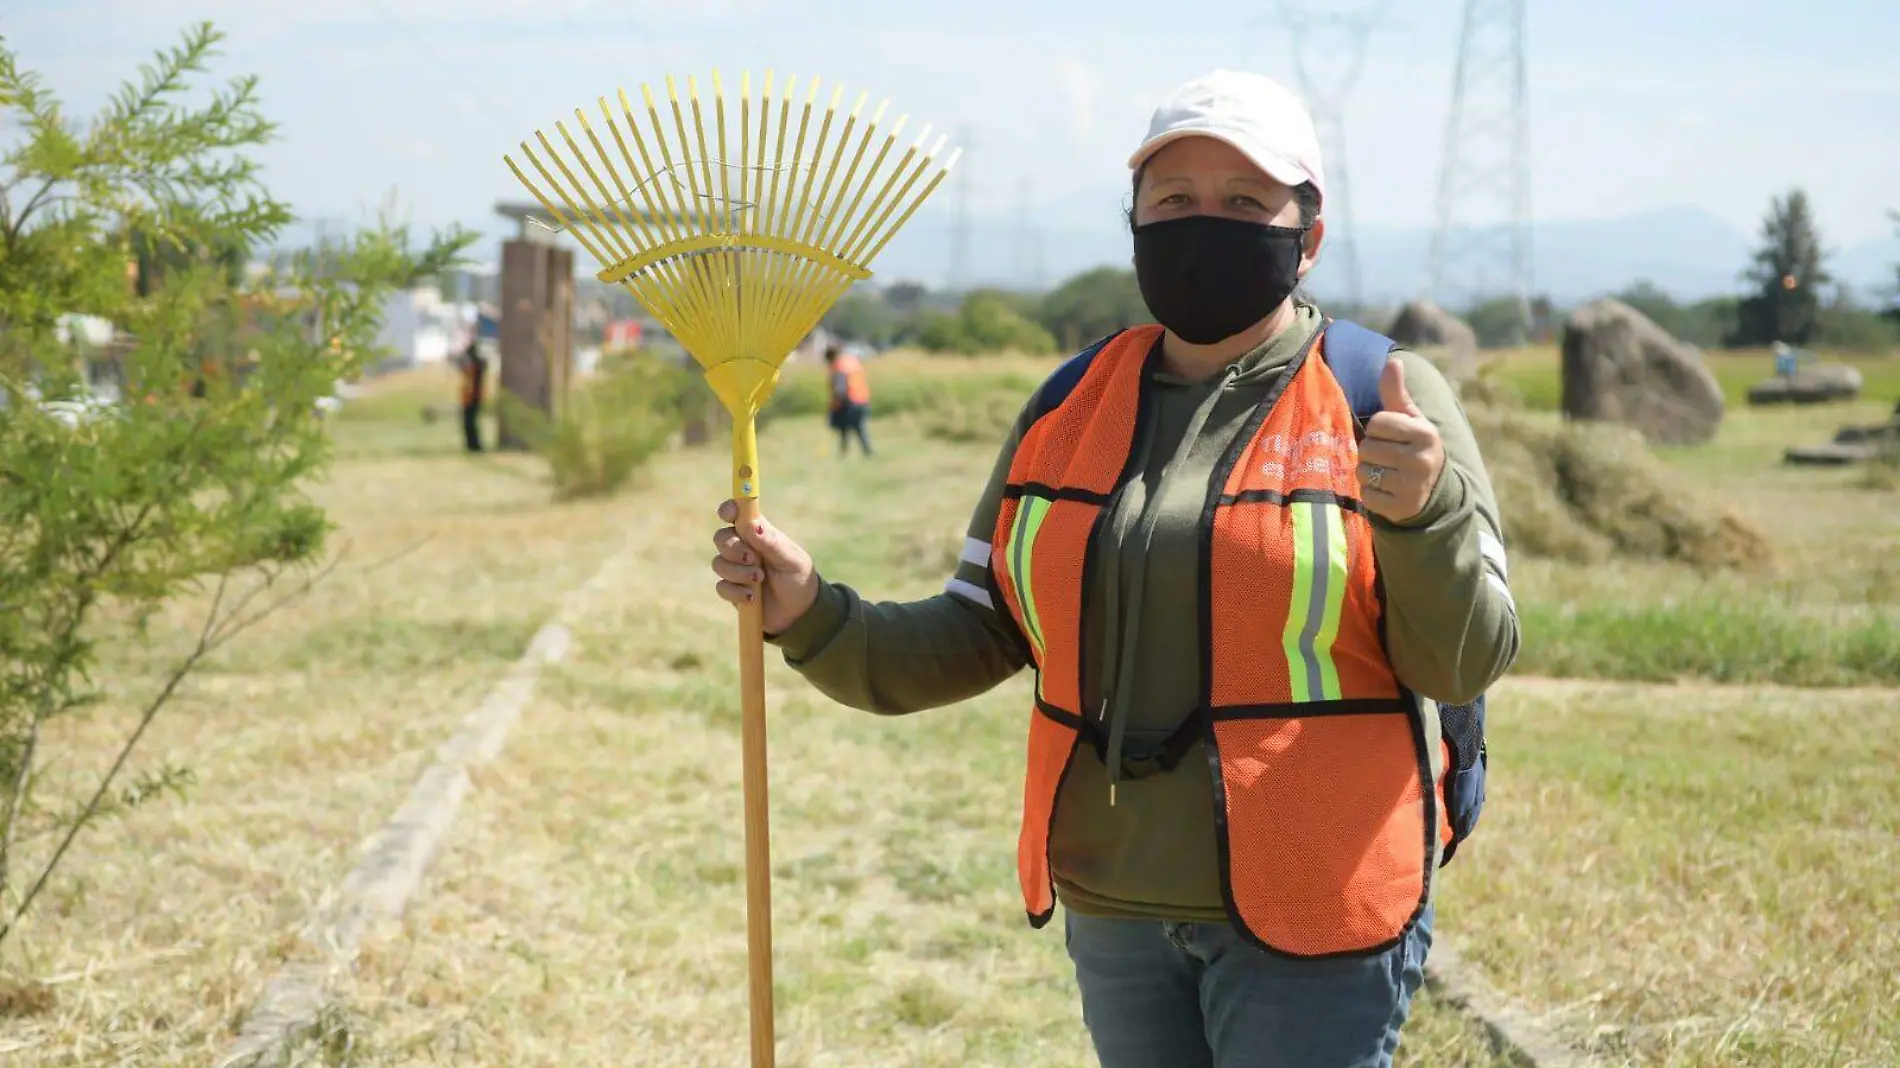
<point x="1682" y="876"/>
<point x="1826" y="613"/>
<point x="162" y="926"/>
<point x="1588" y="493"/>
<point x="1629" y="883"/>
<point x="1695" y="876"/>
<point x="590" y="908"/>
<point x="1535" y="372"/>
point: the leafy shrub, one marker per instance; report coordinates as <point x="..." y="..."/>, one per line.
<point x="972" y="417"/>
<point x="189" y="489"/>
<point x="986" y="323"/>
<point x="610" y="425"/>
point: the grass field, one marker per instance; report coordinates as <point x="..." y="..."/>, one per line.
<point x="303" y="736"/>
<point x="1683" y="875"/>
<point x="1534" y="371"/>
<point x="1827" y="612"/>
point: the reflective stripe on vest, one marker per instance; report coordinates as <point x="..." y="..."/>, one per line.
<point x="1318" y="754"/>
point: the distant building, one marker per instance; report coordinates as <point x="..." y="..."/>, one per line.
<point x="813" y="347"/>
<point x="420" y="327"/>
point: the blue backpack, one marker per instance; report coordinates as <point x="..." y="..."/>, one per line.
<point x="1357" y="357"/>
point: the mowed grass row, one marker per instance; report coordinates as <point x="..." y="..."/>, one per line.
<point x="1671" y="875"/>
<point x="161" y="927"/>
<point x="1692" y="876"/>
<point x="1826" y="614"/>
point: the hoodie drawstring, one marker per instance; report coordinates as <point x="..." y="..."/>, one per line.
<point x="1115" y="708"/>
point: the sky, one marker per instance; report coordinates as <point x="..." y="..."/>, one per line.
<point x="1633" y="104"/>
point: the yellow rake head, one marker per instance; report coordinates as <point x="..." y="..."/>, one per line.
<point x="736" y="236"/>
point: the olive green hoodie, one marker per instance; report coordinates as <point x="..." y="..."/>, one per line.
<point x="1451" y="630"/>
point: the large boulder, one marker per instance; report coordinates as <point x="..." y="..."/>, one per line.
<point x="1620" y="367"/>
<point x="1438" y="335"/>
<point x="1815" y="384"/>
<point x="1851" y="444"/>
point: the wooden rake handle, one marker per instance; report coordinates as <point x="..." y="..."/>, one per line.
<point x="758" y="852"/>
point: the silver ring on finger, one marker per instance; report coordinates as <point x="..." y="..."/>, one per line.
<point x="1374" y="476"/>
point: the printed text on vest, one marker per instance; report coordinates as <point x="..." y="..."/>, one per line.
<point x="1317" y="752"/>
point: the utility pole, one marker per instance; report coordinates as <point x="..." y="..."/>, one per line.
<point x="1028" y="240"/>
<point x="957" y="277"/>
<point x="1481" y="247"/>
<point x="1344" y="36"/>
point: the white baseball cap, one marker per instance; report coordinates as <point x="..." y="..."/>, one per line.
<point x="1261" y="118"/>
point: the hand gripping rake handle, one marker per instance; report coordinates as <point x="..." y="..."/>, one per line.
<point x="739" y="267"/>
<point x="758" y="852"/>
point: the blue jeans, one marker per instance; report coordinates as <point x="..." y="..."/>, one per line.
<point x="849" y="420"/>
<point x="1195" y="995"/>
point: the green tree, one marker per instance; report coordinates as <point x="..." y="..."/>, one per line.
<point x="1705" y="323"/>
<point x="1092" y="304"/>
<point x="190" y="490"/>
<point x="1847" y="324"/>
<point x="1653" y="301"/>
<point x="987" y="322"/>
<point x="156" y="256"/>
<point x="866" y="317"/>
<point x="1500" y="322"/>
<point x="1786" y="275"/>
<point x="906" y="297"/>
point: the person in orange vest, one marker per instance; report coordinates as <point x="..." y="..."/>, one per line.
<point x="474" y="369"/>
<point x="850" y="399"/>
<point x="1253" y="557"/>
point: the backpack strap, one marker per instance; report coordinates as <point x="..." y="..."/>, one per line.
<point x="1357" y="357"/>
<point x="1062" y="381"/>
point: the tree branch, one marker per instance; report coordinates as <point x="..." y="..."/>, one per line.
<point x="218" y="629"/>
<point x="18" y="224"/>
<point x="18" y="798"/>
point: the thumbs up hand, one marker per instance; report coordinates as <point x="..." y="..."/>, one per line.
<point x="1402" y="455"/>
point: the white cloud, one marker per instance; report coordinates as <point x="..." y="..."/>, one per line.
<point x="1081" y="86"/>
<point x="413" y="149"/>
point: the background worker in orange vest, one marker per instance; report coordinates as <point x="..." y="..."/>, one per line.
<point x="850" y="399"/>
<point x="473" y="373"/>
<point x="1253" y="556"/>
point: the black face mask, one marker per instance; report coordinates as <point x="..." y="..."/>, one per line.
<point x="1206" y="277"/>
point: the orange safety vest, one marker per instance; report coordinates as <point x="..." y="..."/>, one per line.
<point x="857" y="386"/>
<point x="1318" y="753"/>
<point x="471" y="373"/>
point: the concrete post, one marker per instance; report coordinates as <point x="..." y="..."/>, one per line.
<point x="536" y="341"/>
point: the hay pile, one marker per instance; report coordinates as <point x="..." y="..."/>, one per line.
<point x="1583" y="492"/>
<point x="1589" y="492"/>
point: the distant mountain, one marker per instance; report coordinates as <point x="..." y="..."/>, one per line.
<point x="1687" y="251"/>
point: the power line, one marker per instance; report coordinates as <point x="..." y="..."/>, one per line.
<point x="1478" y="254"/>
<point x="477" y="99"/>
<point x="1325" y="93"/>
<point x="1028" y="238"/>
<point x="958" y="274"/>
<point x="490" y="108"/>
<point x="598" y="49"/>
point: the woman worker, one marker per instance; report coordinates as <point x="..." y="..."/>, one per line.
<point x="1236" y="613"/>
